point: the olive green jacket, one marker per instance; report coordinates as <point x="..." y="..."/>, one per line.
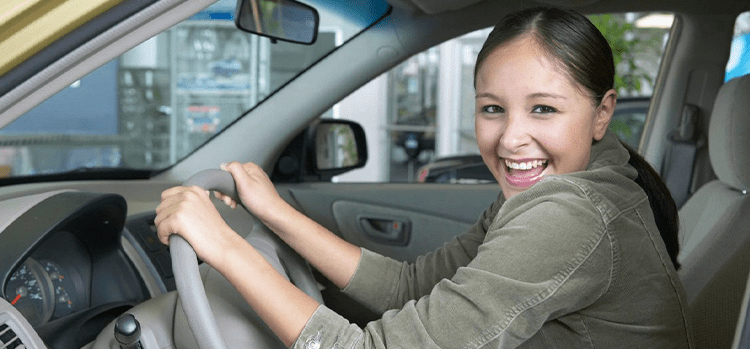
<point x="576" y="261"/>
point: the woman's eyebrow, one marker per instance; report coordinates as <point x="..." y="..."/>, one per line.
<point x="531" y="96"/>
<point x="485" y="95"/>
<point x="545" y="95"/>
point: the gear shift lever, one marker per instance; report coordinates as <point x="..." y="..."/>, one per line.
<point x="128" y="332"/>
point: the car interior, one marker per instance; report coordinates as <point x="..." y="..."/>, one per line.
<point x="88" y="234"/>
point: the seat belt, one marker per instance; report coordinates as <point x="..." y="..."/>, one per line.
<point x="677" y="169"/>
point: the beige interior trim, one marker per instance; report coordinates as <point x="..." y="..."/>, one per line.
<point x="27" y="26"/>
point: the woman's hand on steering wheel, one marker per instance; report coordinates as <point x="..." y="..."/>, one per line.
<point x="255" y="189"/>
<point x="190" y="213"/>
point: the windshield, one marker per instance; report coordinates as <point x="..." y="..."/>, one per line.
<point x="158" y="102"/>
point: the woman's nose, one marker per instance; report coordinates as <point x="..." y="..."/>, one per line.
<point x="515" y="135"/>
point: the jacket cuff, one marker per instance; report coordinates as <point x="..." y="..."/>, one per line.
<point x="374" y="281"/>
<point x="326" y="329"/>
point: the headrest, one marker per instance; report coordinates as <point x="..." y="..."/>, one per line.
<point x="729" y="134"/>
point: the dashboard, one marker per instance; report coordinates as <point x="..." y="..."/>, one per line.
<point x="67" y="266"/>
<point x="73" y="260"/>
<point x="52" y="285"/>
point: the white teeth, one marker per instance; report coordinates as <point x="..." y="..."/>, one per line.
<point x="525" y="165"/>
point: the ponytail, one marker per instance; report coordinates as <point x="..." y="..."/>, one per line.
<point x="661" y="201"/>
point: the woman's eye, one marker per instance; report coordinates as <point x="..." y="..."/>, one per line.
<point x="492" y="109"/>
<point x="543" y="109"/>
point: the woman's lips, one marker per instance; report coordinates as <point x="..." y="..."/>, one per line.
<point x="524" y="176"/>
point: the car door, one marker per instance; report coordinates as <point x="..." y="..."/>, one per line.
<point x="399" y="220"/>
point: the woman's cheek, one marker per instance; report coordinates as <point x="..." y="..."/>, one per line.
<point x="487" y="132"/>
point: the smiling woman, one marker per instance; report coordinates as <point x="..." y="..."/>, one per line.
<point x="557" y="114"/>
<point x="531" y="119"/>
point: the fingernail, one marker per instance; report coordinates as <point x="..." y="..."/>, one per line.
<point x="223" y="166"/>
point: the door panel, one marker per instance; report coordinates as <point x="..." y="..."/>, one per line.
<point x="364" y="213"/>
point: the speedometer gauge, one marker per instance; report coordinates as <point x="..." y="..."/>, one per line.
<point x="30" y="291"/>
<point x="62" y="284"/>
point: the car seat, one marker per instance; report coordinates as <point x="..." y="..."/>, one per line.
<point x="715" y="224"/>
<point x="742" y="333"/>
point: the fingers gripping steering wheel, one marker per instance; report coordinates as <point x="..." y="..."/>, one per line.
<point x="187" y="277"/>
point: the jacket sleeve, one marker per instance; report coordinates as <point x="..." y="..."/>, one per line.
<point x="544" y="258"/>
<point x="382" y="283"/>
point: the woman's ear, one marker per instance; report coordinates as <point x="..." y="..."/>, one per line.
<point x="604" y="113"/>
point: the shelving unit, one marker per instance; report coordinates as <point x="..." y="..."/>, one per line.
<point x="184" y="86"/>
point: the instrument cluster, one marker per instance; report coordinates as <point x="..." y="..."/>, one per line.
<point x="42" y="290"/>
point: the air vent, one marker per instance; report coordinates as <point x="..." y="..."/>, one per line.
<point x="9" y="339"/>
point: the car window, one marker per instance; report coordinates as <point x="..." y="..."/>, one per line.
<point x="158" y="102"/>
<point x="739" y="55"/>
<point x="425" y="131"/>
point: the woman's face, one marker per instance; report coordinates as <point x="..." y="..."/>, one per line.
<point x="531" y="119"/>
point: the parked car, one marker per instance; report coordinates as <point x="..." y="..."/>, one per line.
<point x="80" y="181"/>
<point x="467" y="169"/>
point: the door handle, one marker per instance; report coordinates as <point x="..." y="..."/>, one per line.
<point x="385" y="230"/>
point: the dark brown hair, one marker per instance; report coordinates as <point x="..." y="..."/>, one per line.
<point x="573" y="43"/>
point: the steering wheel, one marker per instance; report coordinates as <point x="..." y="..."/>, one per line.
<point x="187" y="277"/>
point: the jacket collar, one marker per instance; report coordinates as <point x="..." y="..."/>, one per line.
<point x="610" y="153"/>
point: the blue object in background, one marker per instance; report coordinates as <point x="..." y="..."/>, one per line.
<point x="222" y="10"/>
<point x="739" y="57"/>
<point x="71" y="110"/>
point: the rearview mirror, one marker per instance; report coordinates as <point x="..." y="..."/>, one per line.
<point x="285" y="20"/>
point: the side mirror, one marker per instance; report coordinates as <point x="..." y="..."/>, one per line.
<point x="325" y="149"/>
<point x="336" y="147"/>
<point x="285" y="20"/>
